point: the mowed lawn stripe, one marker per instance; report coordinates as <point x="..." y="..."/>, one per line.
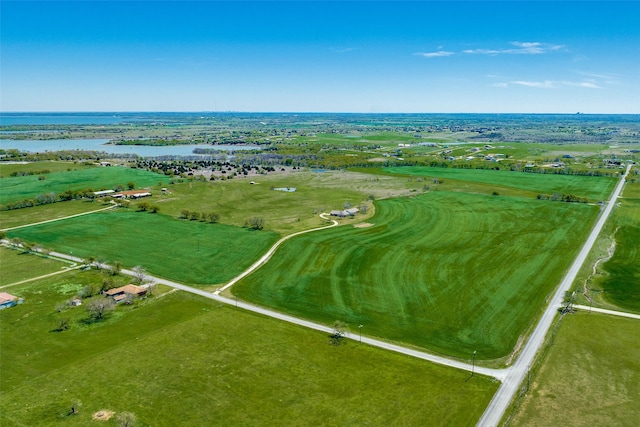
<point x="454" y="273"/>
<point x="187" y="251"/>
<point x="594" y="188"/>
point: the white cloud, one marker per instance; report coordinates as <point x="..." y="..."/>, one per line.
<point x="521" y="48"/>
<point x="547" y="84"/>
<point x="502" y="84"/>
<point x="437" y="54"/>
<point x="553" y="84"/>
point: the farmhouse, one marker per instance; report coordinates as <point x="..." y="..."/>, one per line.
<point x="103" y="193"/>
<point x="345" y="213"/>
<point x="132" y="194"/>
<point x="121" y="293"/>
<point x="8" y="300"/>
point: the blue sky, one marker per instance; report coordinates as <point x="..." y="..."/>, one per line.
<point x="555" y="57"/>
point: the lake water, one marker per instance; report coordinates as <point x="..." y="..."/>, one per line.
<point x="7" y="119"/>
<point x="39" y="146"/>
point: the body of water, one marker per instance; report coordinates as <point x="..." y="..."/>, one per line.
<point x="7" y="119"/>
<point x="39" y="146"/>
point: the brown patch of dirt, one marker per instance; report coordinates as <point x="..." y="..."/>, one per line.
<point x="103" y="415"/>
<point x="363" y="225"/>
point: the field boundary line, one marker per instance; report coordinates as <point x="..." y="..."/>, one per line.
<point x="606" y="311"/>
<point x="56" y="219"/>
<point x="65" y="270"/>
<point x="267" y="256"/>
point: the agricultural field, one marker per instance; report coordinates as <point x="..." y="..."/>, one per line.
<point x="284" y="212"/>
<point x="182" y="360"/>
<point x="588" y="377"/>
<point x="18" y="265"/>
<point x="593" y="188"/>
<point x="18" y="217"/>
<point x="451" y="272"/>
<point x="41" y="168"/>
<point x="618" y="280"/>
<point x="188" y="251"/>
<point x="26" y="187"/>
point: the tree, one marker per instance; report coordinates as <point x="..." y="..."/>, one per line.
<point x="98" y="308"/>
<point x="194" y="216"/>
<point x="140" y="274"/>
<point x="184" y="213"/>
<point x="213" y="217"/>
<point x="339" y="331"/>
<point x="154" y="209"/>
<point x="62" y="324"/>
<point x="255" y="223"/>
<point x="126" y="419"/>
<point x="131" y="185"/>
<point x="143" y="206"/>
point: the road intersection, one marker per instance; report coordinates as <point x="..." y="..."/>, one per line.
<point x="510" y="377"/>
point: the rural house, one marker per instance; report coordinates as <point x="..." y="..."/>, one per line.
<point x="345" y="213"/>
<point x="121" y="293"/>
<point x="8" y="300"/>
<point x="132" y="194"/>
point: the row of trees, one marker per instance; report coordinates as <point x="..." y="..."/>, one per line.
<point x="211" y="217"/>
<point x="558" y="197"/>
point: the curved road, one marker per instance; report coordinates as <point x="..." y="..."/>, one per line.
<point x="511" y="377"/>
<point x="271" y="251"/>
<point x="516" y="373"/>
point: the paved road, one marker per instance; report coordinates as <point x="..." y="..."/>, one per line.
<point x="605" y="311"/>
<point x="517" y="372"/>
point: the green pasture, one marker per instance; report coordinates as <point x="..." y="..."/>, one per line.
<point x="187" y="251"/>
<point x="591" y="187"/>
<point x="17" y="266"/>
<point x="451" y="272"/>
<point x="182" y="360"/>
<point x="619" y="278"/>
<point x="61" y="166"/>
<point x="25" y="187"/>
<point x="285" y="212"/>
<point x="589" y="376"/>
<point x="18" y="217"/>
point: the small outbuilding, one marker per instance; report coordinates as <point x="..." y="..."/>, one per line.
<point x="8" y="300"/>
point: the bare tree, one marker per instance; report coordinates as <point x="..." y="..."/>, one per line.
<point x="140" y="274"/>
<point x="98" y="308"/>
<point x="340" y="329"/>
<point x="255" y="223"/>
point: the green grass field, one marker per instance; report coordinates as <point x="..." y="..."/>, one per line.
<point x="182" y="360"/>
<point x="236" y="200"/>
<point x="450" y="272"/>
<point x="6" y="169"/>
<point x="17" y="217"/>
<point x="25" y="187"/>
<point x="589" y="377"/>
<point x="593" y="188"/>
<point x="620" y="276"/>
<point x="17" y="266"/>
<point x="187" y="251"/>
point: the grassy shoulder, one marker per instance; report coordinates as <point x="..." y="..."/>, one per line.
<point x="451" y="272"/>
<point x="187" y="251"/>
<point x="588" y="377"/>
<point x="183" y="360"/>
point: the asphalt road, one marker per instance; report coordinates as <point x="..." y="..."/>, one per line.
<point x="516" y="373"/>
